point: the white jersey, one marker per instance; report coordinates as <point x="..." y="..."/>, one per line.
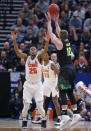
<point x="33" y="70"/>
<point x="50" y="77"/>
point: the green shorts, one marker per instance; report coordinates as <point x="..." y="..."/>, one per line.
<point x="63" y="84"/>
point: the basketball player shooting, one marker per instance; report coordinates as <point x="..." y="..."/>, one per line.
<point x="32" y="85"/>
<point x="67" y="70"/>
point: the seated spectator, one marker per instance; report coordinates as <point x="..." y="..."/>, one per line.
<point x="84" y="7"/>
<point x="40" y="16"/>
<point x="64" y="20"/>
<point x="88" y="12"/>
<point x="27" y="12"/>
<point x="81" y="53"/>
<point x="87" y="24"/>
<point x="23" y="48"/>
<point x="15" y="61"/>
<point x="25" y="21"/>
<point x="73" y="38"/>
<point x="76" y="23"/>
<point x="5" y="63"/>
<point x="35" y="19"/>
<point x="21" y="28"/>
<point x="84" y="50"/>
<point x="86" y="37"/>
<point x="16" y="101"/>
<point x="9" y="51"/>
<point x="31" y="4"/>
<point x="43" y="5"/>
<point x="21" y="66"/>
<point x="81" y="67"/>
<point x="80" y="13"/>
<point x="29" y="38"/>
<point x="67" y="11"/>
<point x="81" y="106"/>
<point x="34" y="27"/>
<point x="19" y="37"/>
<point x="40" y="46"/>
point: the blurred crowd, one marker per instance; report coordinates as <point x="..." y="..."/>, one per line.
<point x="30" y="26"/>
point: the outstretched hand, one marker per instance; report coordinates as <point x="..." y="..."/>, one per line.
<point x="46" y="37"/>
<point x="48" y="16"/>
<point x="55" y="18"/>
<point x="13" y="36"/>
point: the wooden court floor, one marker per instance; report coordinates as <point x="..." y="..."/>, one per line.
<point x="6" y="125"/>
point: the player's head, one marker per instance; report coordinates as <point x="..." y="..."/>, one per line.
<point x="54" y="57"/>
<point x="46" y="56"/>
<point x="33" y="51"/>
<point x="63" y="34"/>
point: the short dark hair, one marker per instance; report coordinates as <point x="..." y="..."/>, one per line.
<point x="63" y="34"/>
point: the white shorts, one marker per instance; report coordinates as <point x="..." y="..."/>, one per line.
<point x="50" y="89"/>
<point x="32" y="90"/>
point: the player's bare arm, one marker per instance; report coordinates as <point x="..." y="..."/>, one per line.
<point x="20" y="54"/>
<point x="53" y="67"/>
<point x="56" y="20"/>
<point x="46" y="38"/>
<point x="54" y="39"/>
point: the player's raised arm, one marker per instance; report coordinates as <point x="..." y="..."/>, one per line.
<point x="54" y="67"/>
<point x="46" y="38"/>
<point x="53" y="37"/>
<point x="20" y="54"/>
<point x="58" y="29"/>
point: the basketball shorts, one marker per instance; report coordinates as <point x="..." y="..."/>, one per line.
<point x="66" y="77"/>
<point x="50" y="89"/>
<point x="32" y="90"/>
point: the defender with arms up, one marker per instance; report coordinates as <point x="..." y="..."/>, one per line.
<point x="32" y="85"/>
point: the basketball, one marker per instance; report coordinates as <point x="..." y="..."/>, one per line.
<point x="53" y="9"/>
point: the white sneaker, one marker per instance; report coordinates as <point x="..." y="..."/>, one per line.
<point x="37" y="121"/>
<point x="75" y="119"/>
<point x="65" y="121"/>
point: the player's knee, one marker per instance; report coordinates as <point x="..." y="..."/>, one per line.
<point x="55" y="99"/>
<point x="26" y="106"/>
<point x="40" y="104"/>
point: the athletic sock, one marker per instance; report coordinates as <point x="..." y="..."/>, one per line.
<point x="64" y="112"/>
<point x="75" y="111"/>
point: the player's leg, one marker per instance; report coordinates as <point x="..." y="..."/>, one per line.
<point x="27" y="96"/>
<point x="46" y="103"/>
<point x="39" y="102"/>
<point x="72" y="74"/>
<point x="57" y="107"/>
<point x="63" y="85"/>
<point x="24" y="114"/>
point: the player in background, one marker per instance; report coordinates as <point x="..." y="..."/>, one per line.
<point x="50" y="73"/>
<point x="32" y="85"/>
<point x="54" y="59"/>
<point x="67" y="70"/>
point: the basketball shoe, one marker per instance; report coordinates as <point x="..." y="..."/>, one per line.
<point x="24" y="124"/>
<point x="65" y="121"/>
<point x="75" y="119"/>
<point x="37" y="121"/>
<point x="43" y="123"/>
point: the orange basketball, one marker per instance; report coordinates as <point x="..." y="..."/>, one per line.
<point x="53" y="9"/>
